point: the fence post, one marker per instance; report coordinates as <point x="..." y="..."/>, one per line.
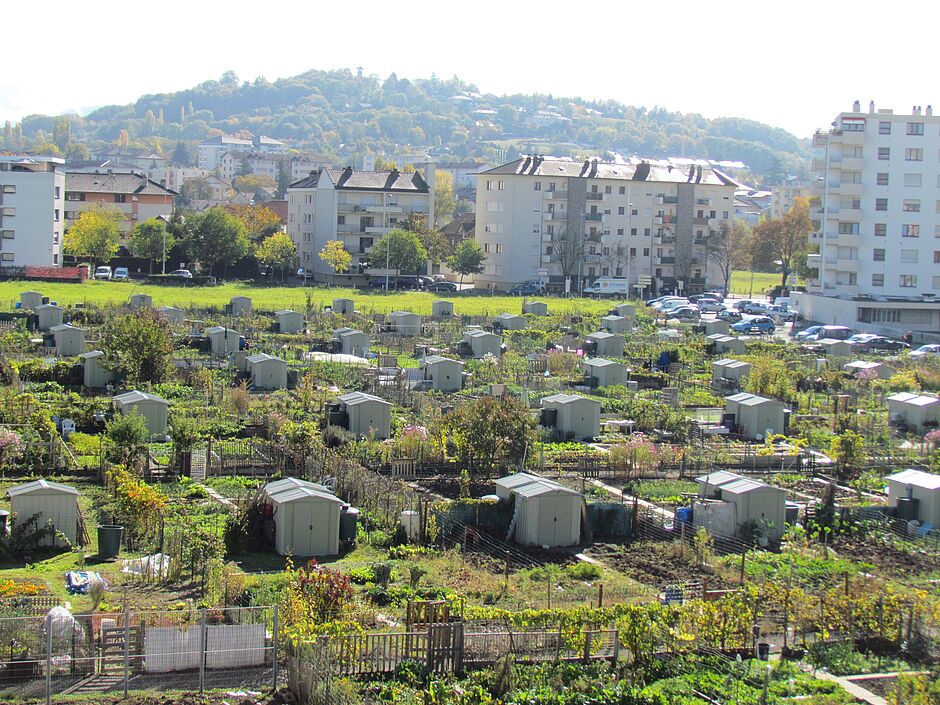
<point x="48" y="659"/>
<point x="274" y="655"/>
<point x="127" y="644"/>
<point x="586" y="655"/>
<point x="202" y="649"/>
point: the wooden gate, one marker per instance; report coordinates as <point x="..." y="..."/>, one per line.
<point x="113" y="647"/>
<point x="445" y="648"/>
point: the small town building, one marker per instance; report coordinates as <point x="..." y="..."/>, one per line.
<point x="728" y="370"/>
<point x="222" y="340"/>
<point x="306" y="518"/>
<point x="546" y="513"/>
<point x="714" y="326"/>
<point x="835" y="348"/>
<point x="94" y="374"/>
<point x="721" y="344"/>
<point x="31" y="300"/>
<point x="172" y="314"/>
<point x="289" y="321"/>
<point x="868" y="369"/>
<point x="625" y="310"/>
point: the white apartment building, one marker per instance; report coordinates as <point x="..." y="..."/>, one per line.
<point x="212" y="149"/>
<point x="265" y="164"/>
<point x="561" y="220"/>
<point x="876" y="209"/>
<point x="782" y="197"/>
<point x="32" y="211"/>
<point x="357" y="207"/>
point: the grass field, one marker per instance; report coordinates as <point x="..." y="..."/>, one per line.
<point x="741" y="282"/>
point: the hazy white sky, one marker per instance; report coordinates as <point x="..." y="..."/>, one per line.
<point x="792" y="64"/>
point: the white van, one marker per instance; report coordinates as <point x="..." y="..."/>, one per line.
<point x="609" y="286"/>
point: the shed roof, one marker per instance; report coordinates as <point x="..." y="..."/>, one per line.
<point x="39" y="485"/>
<point x="354" y="398"/>
<point x="567" y="399"/>
<point x="90" y="354"/>
<point x="287" y="312"/>
<point x="64" y="326"/>
<point x="136" y="396"/>
<point x="718" y="478"/>
<point x="917" y="478"/>
<point x="600" y="362"/>
<point x="435" y="359"/>
<point x="212" y="330"/>
<point x="542" y="487"/>
<point x="517" y="480"/>
<point x="263" y="357"/>
<point x="297" y="494"/>
<point x="601" y="335"/>
<point x="276" y="486"/>
<point x="479" y="333"/>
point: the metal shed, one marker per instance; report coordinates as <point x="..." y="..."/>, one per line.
<point x="756" y="416"/>
<point x="405" y="323"/>
<point x="600" y="372"/>
<point x="150" y="406"/>
<point x="306" y="518"/>
<point x="442" y="309"/>
<point x="445" y="374"/>
<point x="753" y="500"/>
<point x="536" y="308"/>
<point x="604" y="344"/>
<point x="617" y="324"/>
<point x="366" y="414"/>
<point x="872" y="370"/>
<point x="510" y="321"/>
<point x="835" y="348"/>
<point x="240" y="306"/>
<point x="94" y="374"/>
<point x="343" y="307"/>
<point x="69" y="339"/>
<point x="483" y="343"/>
<point x="915" y="410"/>
<point x="572" y="415"/>
<point x="267" y="371"/>
<point x="506" y="485"/>
<point x="31" y="300"/>
<point x="729" y="370"/>
<point x="222" y="340"/>
<point x="140" y="301"/>
<point x="172" y="314"/>
<point x="722" y="344"/>
<point x="625" y="310"/>
<point x="56" y="504"/>
<point x="922" y="487"/>
<point x="50" y="316"/>
<point x="711" y="326"/>
<point x="547" y="514"/>
<point x="352" y="342"/>
<point x="289" y="321"/>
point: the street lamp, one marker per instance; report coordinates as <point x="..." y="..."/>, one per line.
<point x="162" y="219"/>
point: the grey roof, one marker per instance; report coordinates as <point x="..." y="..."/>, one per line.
<point x="290" y="482"/>
<point x="296" y="494"/>
<point x="561" y="167"/>
<point x="434" y="359"/>
<point x="90" y="354"/>
<point x="219" y="329"/>
<point x="116" y="182"/>
<point x="64" y="326"/>
<point x="135" y="396"/>
<point x="37" y="485"/>
<point x="917" y="478"/>
<point x="478" y="333"/>
<point x="600" y="362"/>
<point x="354" y="398"/>
<point x="263" y="357"/>
<point x="719" y="478"/>
<point x="350" y="179"/>
<point x="567" y="399"/>
<point x="535" y="489"/>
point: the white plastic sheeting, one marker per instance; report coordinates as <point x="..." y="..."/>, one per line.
<point x="168" y="649"/>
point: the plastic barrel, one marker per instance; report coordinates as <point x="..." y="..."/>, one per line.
<point x="684" y="515"/>
<point x="109" y="540"/>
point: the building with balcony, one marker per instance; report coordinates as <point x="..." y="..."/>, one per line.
<point x="876" y="210"/>
<point x="356" y="207"/>
<point x="133" y="194"/>
<point x="212" y="149"/>
<point x="32" y="211"/>
<point x="568" y="222"/>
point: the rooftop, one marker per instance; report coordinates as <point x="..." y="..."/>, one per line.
<point x="354" y="398"/>
<point x="917" y="478"/>
<point x="113" y="182"/>
<point x="350" y="179"/>
<point x="536" y="165"/>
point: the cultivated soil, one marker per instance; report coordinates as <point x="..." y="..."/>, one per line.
<point x="656" y="564"/>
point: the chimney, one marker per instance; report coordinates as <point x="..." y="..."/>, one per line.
<point x="929" y="110"/>
<point x="871" y="107"/>
<point x="856" y="107"/>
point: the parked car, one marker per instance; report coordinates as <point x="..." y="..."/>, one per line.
<point x="121" y="274"/>
<point x="670" y="304"/>
<point x="807" y="333"/>
<point x="303" y="273"/>
<point x="779" y="313"/>
<point x="878" y="343"/>
<point x="685" y="313"/>
<point x="739" y="305"/>
<point x="527" y="289"/>
<point x="103" y="272"/>
<point x="441" y="287"/>
<point x="758" y="324"/>
<point x="181" y="274"/>
<point x="717" y="295"/>
<point x="926" y="350"/>
<point x="754" y="308"/>
<point x="833" y="333"/>
<point x="729" y="315"/>
<point x="709" y="305"/>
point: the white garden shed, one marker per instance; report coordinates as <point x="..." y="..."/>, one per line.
<point x="712" y="326"/>
<point x="240" y="306"/>
<point x="351" y="342"/>
<point x="306" y="518"/>
<point x="94" y="374"/>
<point x="506" y="485"/>
<point x="483" y="343"/>
<point x="546" y="513"/>
<point x="835" y="348"/>
<point x="924" y="487"/>
<point x="868" y="369"/>
<point x="731" y="370"/>
<point x="289" y="321"/>
<point x="754" y="416"/>
<point x="445" y="374"/>
<point x="31" y="300"/>
<point x="600" y="372"/>
<point x="572" y="415"/>
<point x="50" y="316"/>
<point x="153" y="408"/>
<point x="510" y="321"/>
<point x="442" y="309"/>
<point x="723" y="344"/>
<point x="625" y="310"/>
<point x="267" y="371"/>
<point x="55" y="503"/>
<point x="606" y="344"/>
<point x="367" y="414"/>
<point x="617" y="324"/>
<point x="344" y="307"/>
<point x="69" y="339"/>
<point x="140" y="301"/>
<point x="536" y="308"/>
<point x="918" y="411"/>
<point x="752" y="500"/>
<point x="405" y="323"/>
<point x="222" y="340"/>
<point x="172" y="314"/>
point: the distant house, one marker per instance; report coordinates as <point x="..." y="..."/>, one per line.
<point x="69" y="339"/>
<point x="172" y="314"/>
<point x="916" y="411"/>
<point x="721" y="344"/>
<point x="306" y="517"/>
<point x="31" y="300"/>
<point x="134" y="195"/>
<point x="604" y="344"/>
<point x="547" y="513"/>
<point x="479" y="343"/>
<point x="731" y="371"/>
<point x="140" y="301"/>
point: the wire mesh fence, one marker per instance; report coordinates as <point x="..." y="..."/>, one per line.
<point x="60" y="653"/>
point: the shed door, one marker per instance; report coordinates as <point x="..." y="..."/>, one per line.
<point x="302" y="542"/>
<point x="548" y="520"/>
<point x="320" y="534"/>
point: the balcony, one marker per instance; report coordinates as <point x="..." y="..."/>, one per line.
<point x="350" y="208"/>
<point x="384" y="209"/>
<point x="667" y="259"/>
<point x="820" y="139"/>
<point x="378" y="230"/>
<point x="850" y="189"/>
<point x="703" y="201"/>
<point x="556" y="216"/>
<point x="850" y="240"/>
<point x="557" y="195"/>
<point x="847" y="265"/>
<point x="700" y="221"/>
<point x="592" y="196"/>
<point x="813" y="260"/>
<point x="667" y="199"/>
<point x="596" y="217"/>
<point x="853" y="163"/>
<point x="665" y="219"/>
<point x="817" y="164"/>
<point x="853" y="137"/>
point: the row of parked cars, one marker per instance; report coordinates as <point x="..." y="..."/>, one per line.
<point x="691" y="309"/>
<point x="863" y="341"/>
<point x="121" y="274"/>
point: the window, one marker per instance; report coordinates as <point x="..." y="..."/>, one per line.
<point x="881" y="229"/>
<point x="633" y="211"/>
<point x="850" y="125"/>
<point x="646" y="252"/>
<point x="848" y="228"/>
<point x="7" y="257"/>
<point x="877" y="279"/>
<point x="632" y="232"/>
<point x="910" y="230"/>
<point x="878" y="255"/>
<point x="633" y="252"/>
<point x="909" y="256"/>
<point x="882" y="179"/>
<point x="8" y="211"/>
<point x="936" y="256"/>
<point x="537" y="185"/>
<point x="608" y="189"/>
<point x="623" y="190"/>
<point x="495" y="185"/>
<point x="593" y="188"/>
<point x="120" y="198"/>
<point x="551" y="186"/>
<point x="8" y="234"/>
<point x="907" y="281"/>
<point x="646" y="232"/>
<point x="724" y="215"/>
<point x="621" y="211"/>
<point x="499" y="248"/>
<point x="911" y="205"/>
<point x="620" y="231"/>
<point x="914" y="180"/>
<point x="915" y="128"/>
<point x="881" y="204"/>
<point x="11" y="188"/>
<point x="884" y="128"/>
<point x="936" y="283"/>
<point x="486" y="247"/>
<point x="913" y="154"/>
<point x="884" y="153"/>
<point x="879" y="315"/>
<point x="494" y="207"/>
<point x="340" y="219"/>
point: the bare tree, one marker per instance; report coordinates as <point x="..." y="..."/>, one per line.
<point x="569" y="250"/>
<point x="729" y="248"/>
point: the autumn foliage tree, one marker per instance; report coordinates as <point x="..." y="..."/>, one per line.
<point x="488" y="431"/>
<point x="277" y="250"/>
<point x="138" y="347"/>
<point x="783" y="241"/>
<point x="336" y="256"/>
<point x="95" y="235"/>
<point x="260" y="221"/>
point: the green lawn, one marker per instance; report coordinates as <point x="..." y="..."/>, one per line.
<point x="277" y="297"/>
<point x="741" y="282"/>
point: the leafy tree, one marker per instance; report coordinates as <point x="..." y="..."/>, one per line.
<point x="260" y="221"/>
<point x="216" y="237"/>
<point x="95" y="235"/>
<point x="431" y="239"/>
<point x="848" y="448"/>
<point x="147" y="241"/>
<point x="729" y="248"/>
<point x="444" y="199"/>
<point x="138" y="347"/>
<point x="468" y="258"/>
<point x="784" y="240"/>
<point x="181" y="154"/>
<point x="405" y="252"/>
<point x="254" y="183"/>
<point x="336" y="256"/>
<point x="490" y="430"/>
<point x="278" y="250"/>
<point x="127" y="437"/>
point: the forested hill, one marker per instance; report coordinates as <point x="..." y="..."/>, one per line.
<point x="342" y="113"/>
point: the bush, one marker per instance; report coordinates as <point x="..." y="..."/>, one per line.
<point x="584" y="571"/>
<point x="361" y="576"/>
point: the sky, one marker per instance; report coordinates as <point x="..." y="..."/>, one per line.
<point x="793" y="65"/>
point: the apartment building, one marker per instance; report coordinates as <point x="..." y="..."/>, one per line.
<point x="876" y="209"/>
<point x="264" y="164"/>
<point x="32" y="191"/>
<point x="782" y="197"/>
<point x="138" y="197"/>
<point x="568" y="222"/>
<point x="357" y="207"/>
<point x="212" y="149"/>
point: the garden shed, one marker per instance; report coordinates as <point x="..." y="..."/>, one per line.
<point x="625" y="310"/>
<point x="600" y="372"/>
<point x="835" y="348"/>
<point x="351" y="342"/>
<point x="483" y="343"/>
<point x="572" y="415"/>
<point x="222" y="340"/>
<point x="753" y="501"/>
<point x="510" y="321"/>
<point x="721" y="344"/>
<point x="506" y="485"/>
<point x="713" y="326"/>
<point x="306" y="518"/>
<point x="50" y="316"/>
<point x="240" y="306"/>
<point x="289" y="321"/>
<point x="536" y="308"/>
<point x="140" y="301"/>
<point x="172" y="314"/>
<point x="604" y="344"/>
<point x="920" y="491"/>
<point x="69" y="339"/>
<point x="94" y="374"/>
<point x="868" y="369"/>
<point x="31" y="300"/>
<point x="365" y="414"/>
<point x="546" y="514"/>
<point x="445" y="374"/>
<point x="405" y="323"/>
<point x="150" y="406"/>
<point x="617" y="324"/>
<point x="917" y="411"/>
<point x="728" y="370"/>
<point x="442" y="309"/>
<point x="55" y="503"/>
<point x="754" y="416"/>
<point x="344" y="307"/>
<point x="267" y="371"/>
